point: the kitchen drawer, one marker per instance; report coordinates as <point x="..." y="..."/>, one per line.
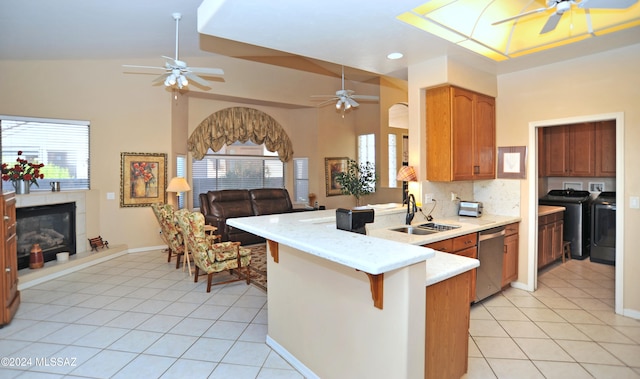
<point x="445" y="246"/>
<point x="464" y="242"/>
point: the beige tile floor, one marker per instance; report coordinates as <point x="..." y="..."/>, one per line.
<point x="135" y="316"/>
<point x="566" y="329"/>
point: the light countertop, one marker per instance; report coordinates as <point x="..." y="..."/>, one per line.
<point x="544" y="210"/>
<point x="381" y="250"/>
<point x="316" y="233"/>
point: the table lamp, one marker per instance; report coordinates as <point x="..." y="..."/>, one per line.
<point x="406" y="174"/>
<point x="178" y="185"/>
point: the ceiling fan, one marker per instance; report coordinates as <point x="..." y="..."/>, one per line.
<point x="345" y="97"/>
<point x="559" y="7"/>
<point x="177" y="73"/>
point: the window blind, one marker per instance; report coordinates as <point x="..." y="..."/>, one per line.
<point x="219" y="172"/>
<point x="61" y="145"/>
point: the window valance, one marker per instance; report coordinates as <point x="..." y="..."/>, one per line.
<point x="239" y="124"/>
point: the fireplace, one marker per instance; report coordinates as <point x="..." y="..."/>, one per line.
<point x="53" y="226"/>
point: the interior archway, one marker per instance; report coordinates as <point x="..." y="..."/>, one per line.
<point x="242" y="124"/>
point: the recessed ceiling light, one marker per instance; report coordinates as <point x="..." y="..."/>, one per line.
<point x="395" y="55"/>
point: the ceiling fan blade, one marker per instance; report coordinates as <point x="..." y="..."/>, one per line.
<point x="161" y="78"/>
<point x="332" y="97"/>
<point x="365" y="97"/>
<point x="151" y="67"/>
<point x="551" y="23"/>
<point x="206" y="70"/>
<point x="330" y="101"/>
<point x="539" y="10"/>
<point x="606" y="4"/>
<point x="352" y="102"/>
<point x="197" y="79"/>
<point x="170" y="60"/>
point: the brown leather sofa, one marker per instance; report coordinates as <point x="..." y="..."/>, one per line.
<point x="218" y="206"/>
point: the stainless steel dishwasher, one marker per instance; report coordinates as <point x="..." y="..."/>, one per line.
<point x="490" y="255"/>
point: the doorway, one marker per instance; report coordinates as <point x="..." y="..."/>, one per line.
<point x="534" y="195"/>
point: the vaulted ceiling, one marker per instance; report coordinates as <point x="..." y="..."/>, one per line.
<point x="306" y="35"/>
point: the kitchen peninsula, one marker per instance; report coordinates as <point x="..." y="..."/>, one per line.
<point x="342" y="304"/>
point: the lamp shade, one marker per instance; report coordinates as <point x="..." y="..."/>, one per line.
<point x="178" y="184"/>
<point x="407" y="174"/>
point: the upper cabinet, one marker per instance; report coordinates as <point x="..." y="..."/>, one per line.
<point x="461" y="135"/>
<point x="606" y="148"/>
<point x="580" y="150"/>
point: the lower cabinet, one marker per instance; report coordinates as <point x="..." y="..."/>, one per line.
<point x="447" y="337"/>
<point x="510" y="259"/>
<point x="9" y="259"/>
<point x="467" y="246"/>
<point x="550" y="230"/>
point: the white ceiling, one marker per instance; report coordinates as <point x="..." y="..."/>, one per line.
<point x="357" y="34"/>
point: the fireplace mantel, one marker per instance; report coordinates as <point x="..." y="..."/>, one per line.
<point x="48" y="198"/>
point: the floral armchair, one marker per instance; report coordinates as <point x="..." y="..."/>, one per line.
<point x="208" y="255"/>
<point x="171" y="233"/>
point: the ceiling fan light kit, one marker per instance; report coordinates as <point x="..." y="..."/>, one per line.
<point x="345" y="98"/>
<point x="177" y="72"/>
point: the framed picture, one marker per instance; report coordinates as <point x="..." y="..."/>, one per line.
<point x="595" y="187"/>
<point x="332" y="167"/>
<point x="511" y="162"/>
<point x="572" y="186"/>
<point x="143" y="179"/>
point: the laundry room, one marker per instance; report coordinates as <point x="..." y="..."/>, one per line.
<point x="577" y="180"/>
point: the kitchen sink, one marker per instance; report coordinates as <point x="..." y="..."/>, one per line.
<point x="438" y="227"/>
<point x="414" y="230"/>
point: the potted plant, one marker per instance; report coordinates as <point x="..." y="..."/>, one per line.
<point x="358" y="180"/>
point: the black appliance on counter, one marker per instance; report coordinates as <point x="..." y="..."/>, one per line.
<point x="577" y="218"/>
<point x="353" y="220"/>
<point x="603" y="228"/>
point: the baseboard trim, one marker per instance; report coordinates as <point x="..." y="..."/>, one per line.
<point x="28" y="278"/>
<point x="293" y="361"/>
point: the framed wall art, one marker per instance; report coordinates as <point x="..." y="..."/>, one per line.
<point x="511" y="162"/>
<point x="332" y="167"/>
<point x="143" y="179"/>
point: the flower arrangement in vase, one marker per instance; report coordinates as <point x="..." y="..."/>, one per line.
<point x="22" y="174"/>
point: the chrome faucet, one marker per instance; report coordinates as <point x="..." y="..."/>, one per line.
<point x="411" y="209"/>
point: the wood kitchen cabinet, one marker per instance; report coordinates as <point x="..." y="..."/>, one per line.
<point x="466" y="246"/>
<point x="461" y="135"/>
<point x="447" y="328"/>
<point x="542" y="154"/>
<point x="550" y="231"/>
<point x="581" y="150"/>
<point x="605" y="165"/>
<point x="9" y="259"/>
<point x="510" y="259"/>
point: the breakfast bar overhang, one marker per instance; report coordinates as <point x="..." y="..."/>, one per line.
<point x="342" y="304"/>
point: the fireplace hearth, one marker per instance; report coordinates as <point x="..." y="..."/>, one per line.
<point x="52" y="226"/>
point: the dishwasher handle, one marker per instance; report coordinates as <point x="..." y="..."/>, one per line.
<point x="494" y="234"/>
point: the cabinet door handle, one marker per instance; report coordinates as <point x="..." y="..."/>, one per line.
<point x="6" y="218"/>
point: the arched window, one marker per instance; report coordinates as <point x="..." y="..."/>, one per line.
<point x="238" y="148"/>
